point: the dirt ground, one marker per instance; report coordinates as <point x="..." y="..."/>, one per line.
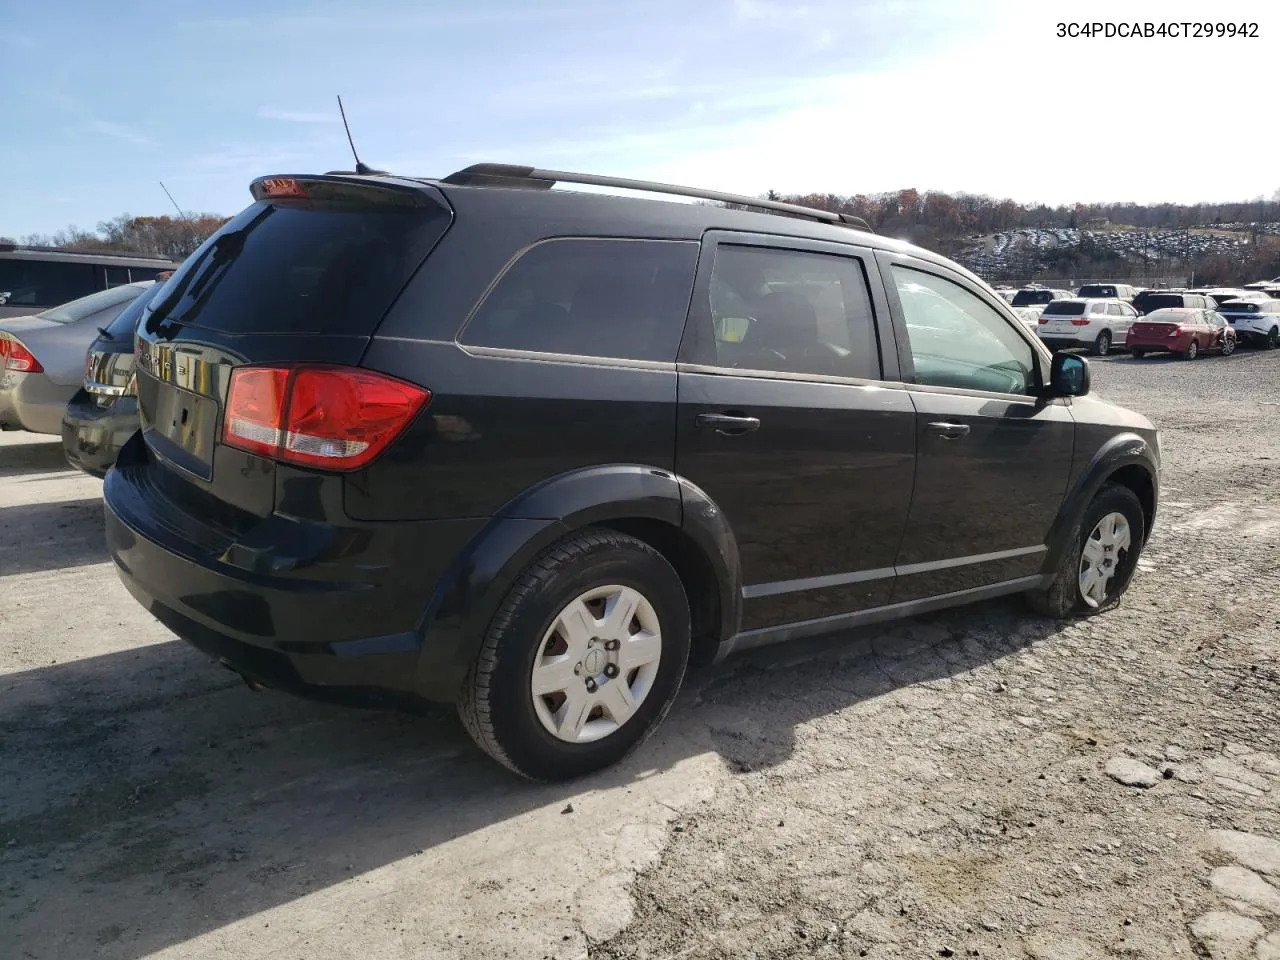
<point x="948" y="786"/>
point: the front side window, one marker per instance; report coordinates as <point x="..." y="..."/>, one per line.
<point x="591" y="297"/>
<point x="958" y="340"/>
<point x="793" y="312"/>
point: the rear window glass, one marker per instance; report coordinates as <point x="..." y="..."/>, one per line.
<point x="1097" y="290"/>
<point x="1158" y="301"/>
<point x="1031" y="298"/>
<point x="1064" y="308"/>
<point x="122" y="327"/>
<point x="301" y="266"/>
<point x="591" y="297"/>
<point x="1240" y="306"/>
<point x="102" y="300"/>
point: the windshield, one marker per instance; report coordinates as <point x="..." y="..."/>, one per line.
<point x="1064" y="308"/>
<point x="93" y="303"/>
<point x="1031" y="298"/>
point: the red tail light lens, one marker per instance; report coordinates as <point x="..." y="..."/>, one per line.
<point x="1044" y="319"/>
<point x="331" y="418"/>
<point x="14" y="356"/>
<point x="1080" y="322"/>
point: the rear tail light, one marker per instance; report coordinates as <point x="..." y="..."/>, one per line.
<point x="14" y="356"/>
<point x="1080" y="322"/>
<point x="1176" y="331"/>
<point x="1044" y="319"/>
<point x="329" y="417"/>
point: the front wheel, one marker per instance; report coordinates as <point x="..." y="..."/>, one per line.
<point x="1095" y="571"/>
<point x="583" y="659"/>
<point x="1272" y="338"/>
<point x="1228" y="346"/>
<point x="1102" y="346"/>
<point x="1193" y="350"/>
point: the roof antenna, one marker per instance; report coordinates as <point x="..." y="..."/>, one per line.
<point x="361" y="168"/>
<point x="173" y="201"/>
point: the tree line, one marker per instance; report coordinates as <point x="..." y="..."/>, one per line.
<point x="171" y="237"/>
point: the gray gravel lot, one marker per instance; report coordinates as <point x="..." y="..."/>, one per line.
<point x="949" y="786"/>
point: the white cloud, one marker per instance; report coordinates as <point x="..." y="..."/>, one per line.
<point x="118" y="131"/>
<point x="297" y="116"/>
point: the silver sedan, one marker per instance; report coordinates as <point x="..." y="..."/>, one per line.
<point x="42" y="356"/>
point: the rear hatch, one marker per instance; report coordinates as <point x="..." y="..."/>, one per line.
<point x="1063" y="317"/>
<point x="1236" y="310"/>
<point x="301" y="277"/>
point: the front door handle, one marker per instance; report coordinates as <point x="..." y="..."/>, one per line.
<point x="949" y="431"/>
<point x="730" y="425"/>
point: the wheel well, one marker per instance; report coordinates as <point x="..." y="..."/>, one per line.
<point x="695" y="572"/>
<point x="1139" y="481"/>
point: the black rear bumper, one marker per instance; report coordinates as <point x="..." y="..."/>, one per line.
<point x="335" y="618"/>
<point x="92" y="436"/>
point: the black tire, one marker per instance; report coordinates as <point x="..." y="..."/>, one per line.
<point x="1062" y="598"/>
<point x="1192" y="351"/>
<point x="1272" y="338"/>
<point x="1228" y="346"/>
<point x="496" y="705"/>
<point x="1102" y="346"/>
<point x="1138" y="354"/>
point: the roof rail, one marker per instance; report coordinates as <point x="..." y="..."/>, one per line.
<point x="533" y="178"/>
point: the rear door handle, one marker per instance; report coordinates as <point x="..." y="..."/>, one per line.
<point x="949" y="431"/>
<point x="730" y="425"/>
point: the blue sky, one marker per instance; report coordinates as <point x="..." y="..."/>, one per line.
<point x="103" y="101"/>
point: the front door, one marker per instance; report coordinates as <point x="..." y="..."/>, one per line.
<point x="788" y="422"/>
<point x="993" y="459"/>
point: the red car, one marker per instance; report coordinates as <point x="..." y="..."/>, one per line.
<point x="1181" y="330"/>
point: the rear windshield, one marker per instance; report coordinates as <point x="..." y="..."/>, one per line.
<point x="301" y="266"/>
<point x="1064" y="308"/>
<point x="1097" y="290"/>
<point x="93" y="303"/>
<point x="1158" y="301"/>
<point x="126" y="321"/>
<point x="1240" y="306"/>
<point x="1221" y="298"/>
<point x="1031" y="298"/>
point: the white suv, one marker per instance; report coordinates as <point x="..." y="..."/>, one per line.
<point x="1097" y="323"/>
<point x="1257" y="321"/>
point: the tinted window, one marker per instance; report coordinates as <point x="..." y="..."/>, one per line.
<point x="41" y="283"/>
<point x="792" y="312"/>
<point x="123" y="326"/>
<point x="302" y="266"/>
<point x="1097" y="290"/>
<point x="1240" y="306"/>
<point x="94" y="303"/>
<point x="1031" y="298"/>
<point x="957" y="340"/>
<point x="145" y="273"/>
<point x="597" y="298"/>
<point x="1159" y="301"/>
<point x="117" y="276"/>
<point x="1064" y="308"/>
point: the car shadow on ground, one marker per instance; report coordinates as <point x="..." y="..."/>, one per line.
<point x="148" y="797"/>
<point x="36" y="537"/>
<point x="39" y="454"/>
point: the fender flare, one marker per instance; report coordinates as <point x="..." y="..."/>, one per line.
<point x="468" y="595"/>
<point x="1122" y="450"/>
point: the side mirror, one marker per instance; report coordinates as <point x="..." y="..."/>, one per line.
<point x="1068" y="376"/>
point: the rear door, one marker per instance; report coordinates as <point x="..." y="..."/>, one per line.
<point x="790" y="420"/>
<point x="303" y="275"/>
<point x="993" y="460"/>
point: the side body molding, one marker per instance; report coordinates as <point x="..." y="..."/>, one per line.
<point x="467" y="597"/>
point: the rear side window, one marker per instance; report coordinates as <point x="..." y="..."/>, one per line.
<point x="1064" y="308"/>
<point x="791" y="312"/>
<point x="1031" y="298"/>
<point x="302" y="266"/>
<point x="592" y="298"/>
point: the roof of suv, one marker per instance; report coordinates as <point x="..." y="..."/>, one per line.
<point x="565" y="211"/>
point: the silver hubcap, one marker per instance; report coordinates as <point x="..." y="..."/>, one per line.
<point x="596" y="664"/>
<point x="1101" y="557"/>
<point x="1191" y="350"/>
<point x="1228" y="346"/>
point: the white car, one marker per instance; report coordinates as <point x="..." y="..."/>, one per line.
<point x="1257" y="321"/>
<point x="1096" y="323"/>
<point x="1028" y="302"/>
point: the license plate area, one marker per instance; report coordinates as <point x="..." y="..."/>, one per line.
<point x="179" y="425"/>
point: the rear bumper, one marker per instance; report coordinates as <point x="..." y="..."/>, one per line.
<point x="92" y="435"/>
<point x="31" y="401"/>
<point x="336" y="618"/>
<point x="1155" y="344"/>
<point x="1067" y="340"/>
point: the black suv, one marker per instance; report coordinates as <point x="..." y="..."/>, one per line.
<point x="533" y="451"/>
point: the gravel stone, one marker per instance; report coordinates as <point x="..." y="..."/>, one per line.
<point x="1245" y="885"/>
<point x="1131" y="772"/>
<point x="1226" y="936"/>
<point x="1254" y="851"/>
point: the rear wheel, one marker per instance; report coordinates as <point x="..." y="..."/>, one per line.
<point x="1228" y="346"/>
<point x="1138" y="354"/>
<point x="1102" y="346"/>
<point x="1095" y="571"/>
<point x="582" y="660"/>
<point x="1193" y="350"/>
<point x="1272" y="338"/>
